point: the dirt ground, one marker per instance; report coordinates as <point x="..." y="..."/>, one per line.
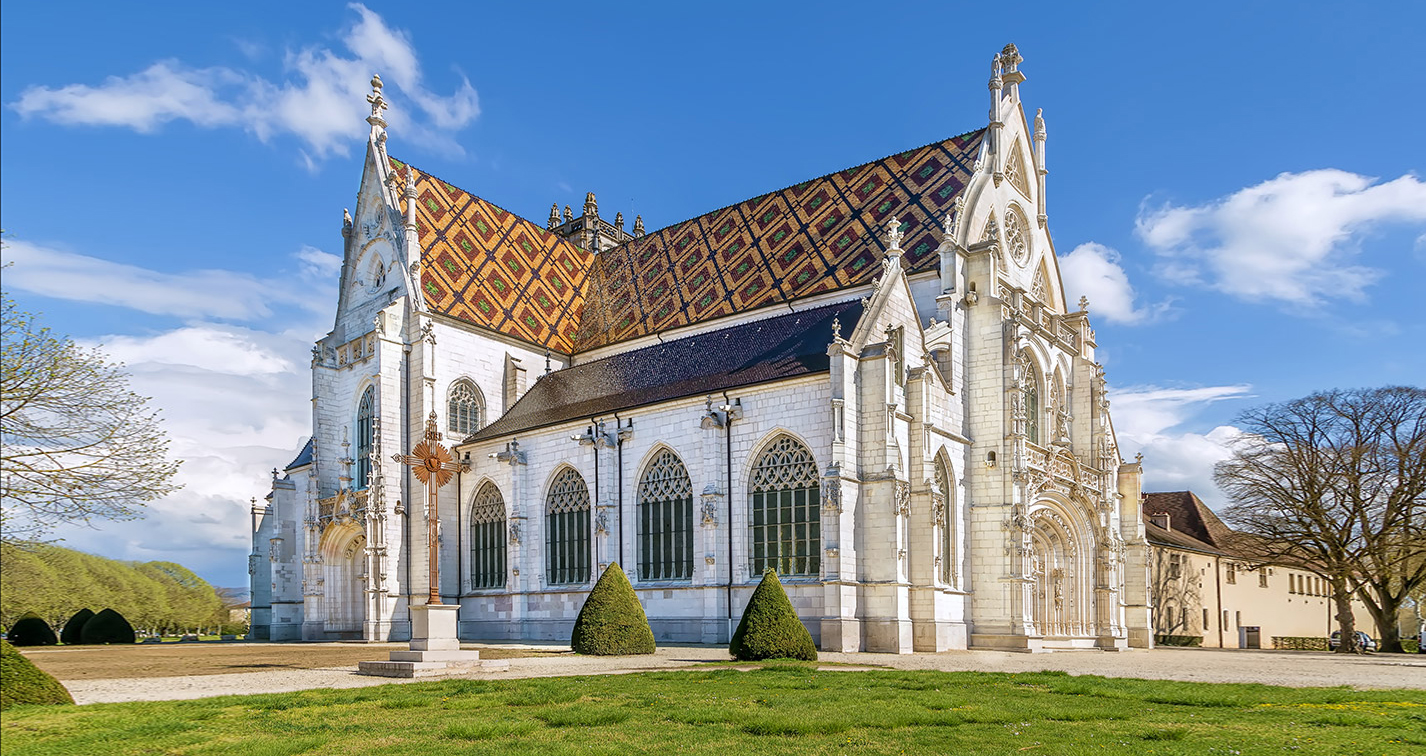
<point x="184" y="659"/>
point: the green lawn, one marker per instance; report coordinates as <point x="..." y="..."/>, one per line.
<point x="782" y="708"/>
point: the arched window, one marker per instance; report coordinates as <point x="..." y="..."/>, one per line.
<point x="1030" y="398"/>
<point x="365" y="424"/>
<point x="786" y="524"/>
<point x="464" y="409"/>
<point x="948" y="529"/>
<point x="487" y="538"/>
<point x="567" y="529"/>
<point x="666" y="520"/>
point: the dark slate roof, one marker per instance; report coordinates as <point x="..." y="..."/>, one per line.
<point x="1160" y="537"/>
<point x="1190" y="516"/>
<point x="785" y="346"/>
<point x="304" y="457"/>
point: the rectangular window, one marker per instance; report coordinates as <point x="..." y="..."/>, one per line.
<point x="1237" y="619"/>
<point x="1175" y="565"/>
<point x="1263" y="577"/>
<point x="1205" y="620"/>
<point x="1231" y="576"/>
<point x="786" y="531"/>
<point x="1225" y="619"/>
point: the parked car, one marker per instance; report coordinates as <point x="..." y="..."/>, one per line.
<point x="1363" y="640"/>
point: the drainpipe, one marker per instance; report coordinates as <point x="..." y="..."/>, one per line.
<point x="594" y="434"/>
<point x="728" y="464"/>
<point x="1218" y="592"/>
<point x="460" y="532"/>
<point x="619" y="483"/>
<point x="406" y="473"/>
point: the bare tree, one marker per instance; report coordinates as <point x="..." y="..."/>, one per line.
<point x="1336" y="482"/>
<point x="75" y="443"/>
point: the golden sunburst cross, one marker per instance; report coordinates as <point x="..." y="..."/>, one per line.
<point x="433" y="465"/>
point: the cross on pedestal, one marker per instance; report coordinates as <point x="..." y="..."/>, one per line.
<point x="433" y="466"/>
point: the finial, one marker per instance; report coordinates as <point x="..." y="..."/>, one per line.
<point x="638" y="225"/>
<point x="591" y="207"/>
<point x="948" y="226"/>
<point x="1040" y="124"/>
<point x="836" y="328"/>
<point x="274" y="473"/>
<point x="568" y="216"/>
<point x="547" y="362"/>
<point x="378" y="103"/>
<point x="619" y="221"/>
<point x="708" y="402"/>
<point x="893" y="235"/>
<point x="433" y="432"/>
<point x="346" y="218"/>
<point x="410" y="182"/>
<point x="1084" y="303"/>
<point x="554" y="215"/>
<point x="1010" y="56"/>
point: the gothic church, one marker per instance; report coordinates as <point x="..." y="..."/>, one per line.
<point x="869" y="381"/>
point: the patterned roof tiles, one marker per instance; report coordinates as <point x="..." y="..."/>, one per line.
<point x="817" y="236"/>
<point x="485" y="265"/>
<point x="488" y="266"/>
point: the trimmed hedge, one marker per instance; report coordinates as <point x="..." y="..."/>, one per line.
<point x="106" y="627"/>
<point x="770" y="628"/>
<point x="1178" y="640"/>
<point x="69" y="636"/>
<point x="1300" y="643"/>
<point x="30" y="630"/>
<point x="612" y="622"/>
<point x="21" y="682"/>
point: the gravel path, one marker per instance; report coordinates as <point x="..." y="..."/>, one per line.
<point x="1297" y="669"/>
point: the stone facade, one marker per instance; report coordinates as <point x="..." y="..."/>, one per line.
<point x="968" y="488"/>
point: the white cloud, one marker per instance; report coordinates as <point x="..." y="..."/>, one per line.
<point x="321" y="100"/>
<point x="193" y="294"/>
<point x="234" y="404"/>
<point x="1147" y="421"/>
<point x="1290" y="239"/>
<point x="1094" y="271"/>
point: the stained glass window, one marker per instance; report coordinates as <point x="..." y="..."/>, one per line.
<point x="567" y="529"/>
<point x="666" y="520"/>
<point x="786" y="524"/>
<point x="366" y="413"/>
<point x="464" y="408"/>
<point x="487" y="538"/>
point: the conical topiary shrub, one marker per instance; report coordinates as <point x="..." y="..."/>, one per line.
<point x="770" y="628"/>
<point x="30" y="630"/>
<point x="21" y="682"/>
<point x="107" y="626"/>
<point x="69" y="636"/>
<point x="612" y="623"/>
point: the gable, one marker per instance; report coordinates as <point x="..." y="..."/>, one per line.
<point x="485" y="265"/>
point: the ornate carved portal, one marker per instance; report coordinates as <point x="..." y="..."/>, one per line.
<point x="1058" y="580"/>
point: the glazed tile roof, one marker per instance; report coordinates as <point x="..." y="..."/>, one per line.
<point x="776" y="348"/>
<point x="495" y="269"/>
<point x="817" y="236"/>
<point x="487" y="266"/>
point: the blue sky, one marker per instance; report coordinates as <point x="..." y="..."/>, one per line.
<point x="1237" y="188"/>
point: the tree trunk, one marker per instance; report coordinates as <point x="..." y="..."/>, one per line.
<point x="1346" y="621"/>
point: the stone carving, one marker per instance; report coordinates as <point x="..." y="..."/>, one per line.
<point x="515" y="535"/>
<point x="832" y="495"/>
<point x="903" y="498"/>
<point x="601" y="523"/>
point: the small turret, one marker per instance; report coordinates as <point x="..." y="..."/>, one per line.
<point x="638" y="226"/>
<point x="591" y="207"/>
<point x="619" y="221"/>
<point x="554" y="216"/>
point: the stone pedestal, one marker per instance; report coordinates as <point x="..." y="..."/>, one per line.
<point x="435" y="650"/>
